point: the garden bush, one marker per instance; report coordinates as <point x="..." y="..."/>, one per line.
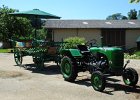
<point x="132" y="55"/>
<point x="72" y="42"/>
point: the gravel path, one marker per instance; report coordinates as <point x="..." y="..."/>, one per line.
<point x="24" y="83"/>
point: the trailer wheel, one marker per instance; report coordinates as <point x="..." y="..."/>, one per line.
<point x="98" y="81"/>
<point x="38" y="61"/>
<point x="39" y="64"/>
<point x="68" y="69"/>
<point x="130" y="76"/>
<point x="18" y="56"/>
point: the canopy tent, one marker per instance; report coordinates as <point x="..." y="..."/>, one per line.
<point x="35" y="13"/>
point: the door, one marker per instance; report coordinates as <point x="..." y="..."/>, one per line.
<point x="113" y="37"/>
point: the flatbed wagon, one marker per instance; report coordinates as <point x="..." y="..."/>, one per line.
<point x="41" y="51"/>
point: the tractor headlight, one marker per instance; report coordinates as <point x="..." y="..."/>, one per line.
<point x="110" y="62"/>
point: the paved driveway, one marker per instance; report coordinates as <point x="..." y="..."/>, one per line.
<point x="24" y="83"/>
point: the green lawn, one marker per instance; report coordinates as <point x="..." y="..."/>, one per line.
<point x="5" y="50"/>
<point x="134" y="55"/>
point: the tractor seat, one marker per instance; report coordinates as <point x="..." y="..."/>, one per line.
<point x="83" y="49"/>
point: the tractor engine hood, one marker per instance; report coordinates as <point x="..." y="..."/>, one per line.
<point x="105" y="49"/>
<point x="114" y="55"/>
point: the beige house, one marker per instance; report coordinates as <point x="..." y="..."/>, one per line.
<point x="122" y="33"/>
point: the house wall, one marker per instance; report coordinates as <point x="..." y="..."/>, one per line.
<point x="60" y="34"/>
<point x="131" y="37"/>
<point x="88" y="34"/>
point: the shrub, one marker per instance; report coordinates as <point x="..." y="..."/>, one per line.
<point x="132" y="53"/>
<point x="72" y="42"/>
<point x="133" y="56"/>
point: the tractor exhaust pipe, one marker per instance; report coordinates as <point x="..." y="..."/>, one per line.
<point x="101" y="38"/>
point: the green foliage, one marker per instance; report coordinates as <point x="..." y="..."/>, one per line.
<point x="72" y="42"/>
<point x="132" y="14"/>
<point x="133" y="56"/>
<point x="133" y="53"/>
<point x="35" y="22"/>
<point x="116" y="16"/>
<point x="42" y="33"/>
<point x="5" y="50"/>
<point x="134" y="1"/>
<point x="13" y="26"/>
<point x="24" y="38"/>
<point x="137" y="53"/>
<point x="5" y="21"/>
<point x="23" y="27"/>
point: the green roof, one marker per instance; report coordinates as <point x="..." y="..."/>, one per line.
<point x="36" y="13"/>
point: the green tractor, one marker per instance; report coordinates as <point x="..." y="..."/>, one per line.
<point x="101" y="62"/>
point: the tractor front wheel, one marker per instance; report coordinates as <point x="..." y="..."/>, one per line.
<point x="130" y="76"/>
<point x="98" y="81"/>
<point x="68" y="69"/>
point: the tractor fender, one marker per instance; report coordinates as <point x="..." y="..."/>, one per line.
<point x="71" y="52"/>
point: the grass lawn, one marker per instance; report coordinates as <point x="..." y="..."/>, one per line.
<point x="135" y="54"/>
<point x="5" y="50"/>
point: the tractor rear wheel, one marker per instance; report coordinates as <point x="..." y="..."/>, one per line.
<point x="130" y="76"/>
<point x="98" y="81"/>
<point x="68" y="69"/>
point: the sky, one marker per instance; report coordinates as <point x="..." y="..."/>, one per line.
<point x="74" y="9"/>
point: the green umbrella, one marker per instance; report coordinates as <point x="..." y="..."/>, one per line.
<point x="35" y="13"/>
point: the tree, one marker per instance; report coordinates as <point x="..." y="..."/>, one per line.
<point x="12" y="26"/>
<point x="134" y="1"/>
<point x="116" y="16"/>
<point x="132" y="14"/>
<point x="139" y="15"/>
<point x="3" y="24"/>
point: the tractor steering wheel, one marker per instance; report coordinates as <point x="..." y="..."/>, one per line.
<point x="91" y="42"/>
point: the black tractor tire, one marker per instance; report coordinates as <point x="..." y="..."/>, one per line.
<point x="68" y="69"/>
<point x="98" y="81"/>
<point x="130" y="76"/>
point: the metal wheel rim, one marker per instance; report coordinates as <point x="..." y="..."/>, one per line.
<point x="67" y="68"/>
<point x="128" y="77"/>
<point x="97" y="82"/>
<point x="127" y="81"/>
